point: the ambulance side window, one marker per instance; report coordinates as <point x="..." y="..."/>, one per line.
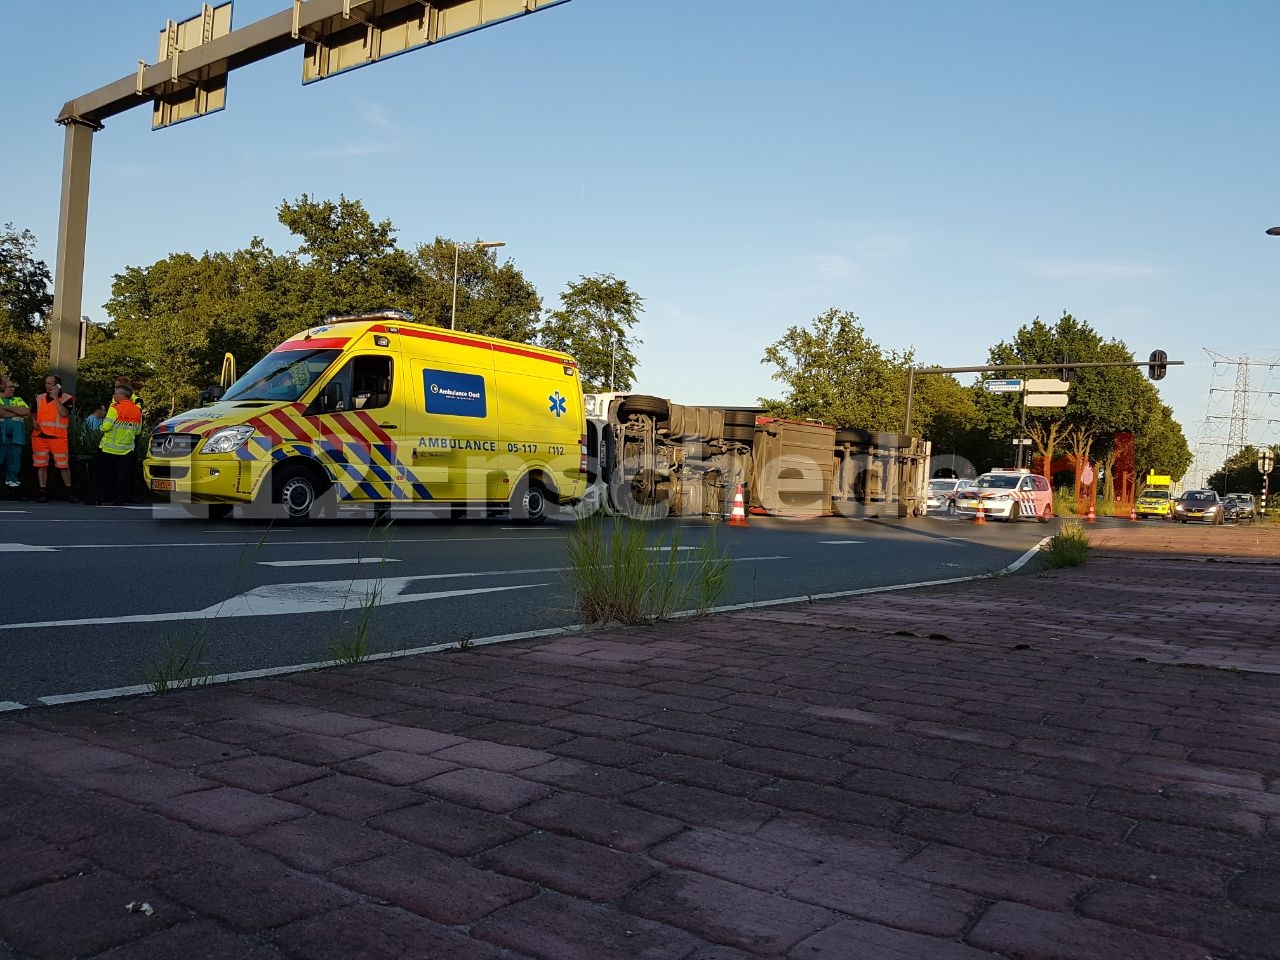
<point x="363" y="383"/>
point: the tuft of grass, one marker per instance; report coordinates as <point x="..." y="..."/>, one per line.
<point x="1069" y="547"/>
<point x="1064" y="502"/>
<point x="355" y="647"/>
<point x="183" y="666"/>
<point x="618" y="577"/>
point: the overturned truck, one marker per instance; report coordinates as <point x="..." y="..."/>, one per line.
<point x="651" y="458"/>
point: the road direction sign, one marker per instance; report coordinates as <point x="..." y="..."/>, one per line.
<point x="1047" y="386"/>
<point x="1002" y="386"/>
<point x="1045" y="399"/>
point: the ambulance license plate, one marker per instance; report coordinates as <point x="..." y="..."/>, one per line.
<point x="162" y="485"/>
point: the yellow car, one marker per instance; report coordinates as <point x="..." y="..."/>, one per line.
<point x="1153" y="503"/>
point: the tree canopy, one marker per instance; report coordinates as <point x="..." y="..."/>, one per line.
<point x="837" y="374"/>
<point x="172" y="322"/>
<point x="594" y="324"/>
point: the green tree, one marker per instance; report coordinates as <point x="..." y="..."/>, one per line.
<point x="493" y="299"/>
<point x="594" y="324"/>
<point x="351" y="263"/>
<point x="1239" y="473"/>
<point x="835" y="373"/>
<point x="25" y="301"/>
<point x="1102" y="401"/>
<point x="24" y="280"/>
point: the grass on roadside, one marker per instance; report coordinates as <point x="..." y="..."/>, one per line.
<point x="1069" y="547"/>
<point x="618" y="577"/>
<point x="182" y="667"/>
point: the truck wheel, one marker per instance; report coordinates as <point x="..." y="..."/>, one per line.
<point x="529" y="502"/>
<point x="739" y="418"/>
<point x="739" y="433"/>
<point x="295" y="488"/>
<point x="642" y="403"/>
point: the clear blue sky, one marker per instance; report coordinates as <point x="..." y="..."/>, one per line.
<point x="947" y="171"/>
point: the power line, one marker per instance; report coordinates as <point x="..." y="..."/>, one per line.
<point x="1237" y="433"/>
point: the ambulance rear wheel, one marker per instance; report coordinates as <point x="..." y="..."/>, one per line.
<point x="529" y="502"/>
<point x="296" y="488"/>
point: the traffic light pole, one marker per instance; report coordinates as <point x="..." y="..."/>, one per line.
<point x="1013" y="367"/>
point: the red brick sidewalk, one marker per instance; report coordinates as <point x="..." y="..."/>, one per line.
<point x="1083" y="764"/>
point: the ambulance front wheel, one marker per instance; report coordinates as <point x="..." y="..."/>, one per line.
<point x="297" y="489"/>
<point x="529" y="502"/>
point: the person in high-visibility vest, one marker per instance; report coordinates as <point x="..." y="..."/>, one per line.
<point x="14" y="414"/>
<point x="120" y="430"/>
<point x="49" y="436"/>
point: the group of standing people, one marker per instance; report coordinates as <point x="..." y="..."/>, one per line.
<point x="115" y="429"/>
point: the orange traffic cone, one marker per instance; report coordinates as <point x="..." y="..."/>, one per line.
<point x="739" y="516"/>
<point x="1091" y="517"/>
<point x="1133" y="512"/>
<point x="979" y="515"/>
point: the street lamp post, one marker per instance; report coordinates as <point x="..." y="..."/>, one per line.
<point x="478" y="245"/>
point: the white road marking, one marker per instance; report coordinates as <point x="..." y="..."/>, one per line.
<point x="289" y="599"/>
<point x="507" y="637"/>
<point x="15" y="511"/>
<point x="667" y="549"/>
<point x="263" y="542"/>
<point x="841" y="541"/>
<point x="1011" y="568"/>
<point x="325" y="563"/>
<point x="24" y="548"/>
<point x="11" y="705"/>
<point x="303" y="667"/>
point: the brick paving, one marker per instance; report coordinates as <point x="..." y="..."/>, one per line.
<point x="1073" y="765"/>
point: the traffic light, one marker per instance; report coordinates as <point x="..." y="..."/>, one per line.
<point x="1155" y="365"/>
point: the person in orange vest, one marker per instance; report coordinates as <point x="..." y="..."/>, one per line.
<point x="49" y="436"/>
<point x="120" y="430"/>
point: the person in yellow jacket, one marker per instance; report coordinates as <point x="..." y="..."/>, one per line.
<point x="14" y="415"/>
<point x="120" y="430"/>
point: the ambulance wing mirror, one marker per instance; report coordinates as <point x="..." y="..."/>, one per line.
<point x="332" y="398"/>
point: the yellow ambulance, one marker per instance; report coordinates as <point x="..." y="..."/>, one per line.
<point x="1156" y="500"/>
<point x="379" y="410"/>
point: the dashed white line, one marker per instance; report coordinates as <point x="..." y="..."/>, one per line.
<point x="336" y="562"/>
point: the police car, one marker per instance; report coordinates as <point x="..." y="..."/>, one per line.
<point x="1008" y="493"/>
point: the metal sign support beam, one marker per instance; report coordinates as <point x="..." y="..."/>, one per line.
<point x="68" y="271"/>
<point x="1009" y="368"/>
<point x="304" y="22"/>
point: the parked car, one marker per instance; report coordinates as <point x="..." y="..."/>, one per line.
<point x="1008" y="494"/>
<point x="940" y="494"/>
<point x="1246" y="506"/>
<point x="1203" y="505"/>
<point x="961" y="486"/>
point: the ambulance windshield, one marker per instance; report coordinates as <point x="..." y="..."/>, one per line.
<point x="282" y="375"/>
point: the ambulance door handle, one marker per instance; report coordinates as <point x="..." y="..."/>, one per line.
<point x="389" y="426"/>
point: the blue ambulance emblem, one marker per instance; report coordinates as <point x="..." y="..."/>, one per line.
<point x="558" y="404"/>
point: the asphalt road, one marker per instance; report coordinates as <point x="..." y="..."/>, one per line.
<point x="99" y="598"/>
